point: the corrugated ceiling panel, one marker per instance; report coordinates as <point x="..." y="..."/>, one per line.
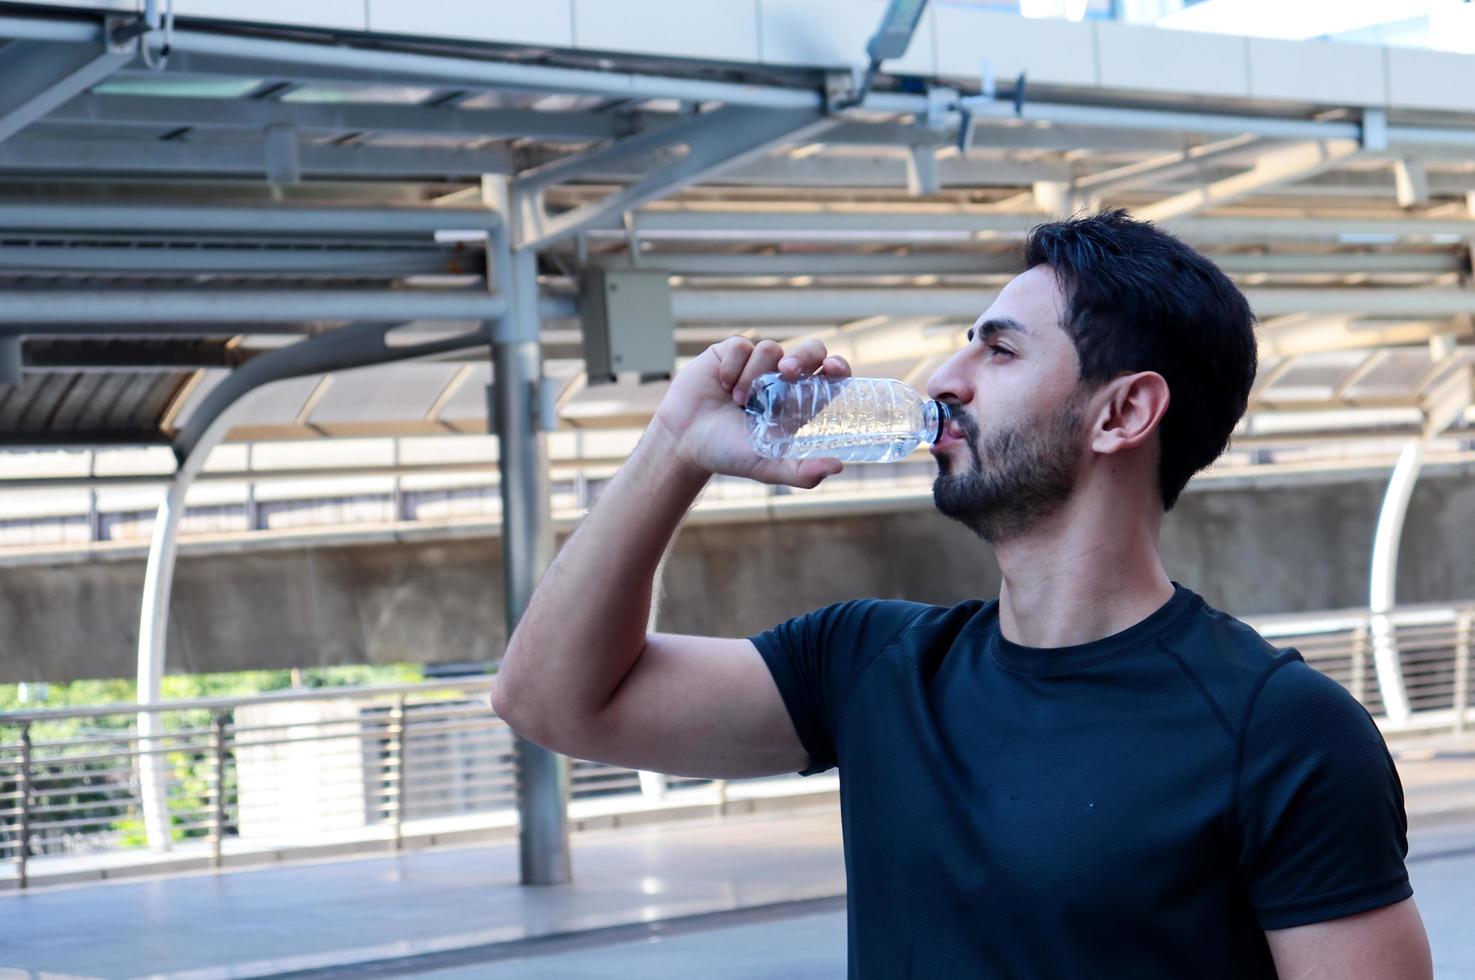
<point x="468" y="403"/>
<point x="74" y="404"/>
<point x="394" y="393"/>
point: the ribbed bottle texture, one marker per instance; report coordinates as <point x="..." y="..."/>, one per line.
<point x="874" y="420"/>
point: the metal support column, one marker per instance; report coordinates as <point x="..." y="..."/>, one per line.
<point x="153" y="628"/>
<point x="358" y="345"/>
<point x="543" y="777"/>
<point x="1385" y="578"/>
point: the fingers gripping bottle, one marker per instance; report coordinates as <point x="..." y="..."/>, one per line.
<point x="872" y="420"/>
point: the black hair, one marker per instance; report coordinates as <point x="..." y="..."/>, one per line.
<point x="1138" y="299"/>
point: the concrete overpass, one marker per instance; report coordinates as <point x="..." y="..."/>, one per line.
<point x="425" y="592"/>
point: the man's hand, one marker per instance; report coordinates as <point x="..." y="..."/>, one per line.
<point x="702" y="411"/>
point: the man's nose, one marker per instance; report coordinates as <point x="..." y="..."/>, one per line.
<point x="946" y="385"/>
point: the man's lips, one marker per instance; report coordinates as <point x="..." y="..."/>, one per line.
<point x="951" y="433"/>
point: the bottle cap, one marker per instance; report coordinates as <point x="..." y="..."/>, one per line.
<point x="944" y="415"/>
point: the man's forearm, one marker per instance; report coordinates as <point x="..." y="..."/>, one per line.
<point x="585" y="625"/>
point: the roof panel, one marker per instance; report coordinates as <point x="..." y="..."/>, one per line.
<point x="279" y="403"/>
<point x="396" y="393"/>
<point x="1316" y="375"/>
<point x="381" y="94"/>
<point x="174" y="85"/>
<point x="18" y="401"/>
<point x="91" y="401"/>
<point x="142" y="400"/>
<point x="38" y="414"/>
<point x="468" y="403"/>
<point x="73" y="402"/>
<point x="1395" y="373"/>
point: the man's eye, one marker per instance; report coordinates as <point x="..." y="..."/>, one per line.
<point x="996" y="349"/>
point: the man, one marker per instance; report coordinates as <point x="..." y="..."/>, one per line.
<point x="1096" y="774"/>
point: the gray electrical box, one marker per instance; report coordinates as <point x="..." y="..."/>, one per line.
<point x="625" y="315"/>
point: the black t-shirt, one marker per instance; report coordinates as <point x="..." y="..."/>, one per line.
<point x="1140" y="806"/>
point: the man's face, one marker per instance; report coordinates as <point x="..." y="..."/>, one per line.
<point x="1018" y="433"/>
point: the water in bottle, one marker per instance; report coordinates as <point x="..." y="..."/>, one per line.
<point x="872" y="420"/>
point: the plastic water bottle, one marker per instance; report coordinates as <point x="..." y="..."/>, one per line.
<point x="871" y="420"/>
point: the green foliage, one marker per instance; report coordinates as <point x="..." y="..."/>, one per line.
<point x="86" y="787"/>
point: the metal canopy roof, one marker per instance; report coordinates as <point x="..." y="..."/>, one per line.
<point x="160" y="228"/>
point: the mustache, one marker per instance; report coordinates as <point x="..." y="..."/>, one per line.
<point x="968" y="424"/>
<point x="972" y="437"/>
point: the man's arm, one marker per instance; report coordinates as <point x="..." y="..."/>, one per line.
<point x="1385" y="944"/>
<point x="582" y="676"/>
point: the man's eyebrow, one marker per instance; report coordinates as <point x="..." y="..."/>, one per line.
<point x="998" y="325"/>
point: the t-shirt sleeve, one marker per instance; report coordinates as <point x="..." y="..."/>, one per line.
<point x="1320" y="806"/>
<point x="814" y="658"/>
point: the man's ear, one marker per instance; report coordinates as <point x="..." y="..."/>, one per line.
<point x="1132" y="409"/>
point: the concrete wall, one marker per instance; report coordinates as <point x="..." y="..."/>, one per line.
<point x="1252" y="551"/>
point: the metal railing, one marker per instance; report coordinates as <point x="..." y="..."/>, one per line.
<point x="289" y="770"/>
<point x="282" y="770"/>
<point x="1434" y="650"/>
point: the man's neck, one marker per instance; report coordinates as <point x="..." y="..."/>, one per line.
<point x="1084" y="574"/>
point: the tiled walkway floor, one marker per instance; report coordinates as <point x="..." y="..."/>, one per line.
<point x="438" y="907"/>
<point x="254" y="923"/>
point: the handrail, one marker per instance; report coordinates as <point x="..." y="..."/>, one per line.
<point x="469" y="684"/>
<point x="376" y="760"/>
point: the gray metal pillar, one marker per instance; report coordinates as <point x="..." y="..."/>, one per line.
<point x="543" y="777"/>
<point x="1383" y="586"/>
<point x="10" y="359"/>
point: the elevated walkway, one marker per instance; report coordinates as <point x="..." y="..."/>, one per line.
<point x="738" y="896"/>
<point x="427" y="905"/>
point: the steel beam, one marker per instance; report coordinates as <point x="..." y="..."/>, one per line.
<point x="736" y="265"/>
<point x="308" y="60"/>
<point x="81" y="313"/>
<point x="222" y="221"/>
<point x="1280" y="166"/>
<point x="861" y="224"/>
<point x="199" y="51"/>
<point x="66" y="30"/>
<point x="238" y="158"/>
<point x="165" y="114"/>
<point x="1341" y="263"/>
<point x="1168" y="167"/>
<point x="275" y="262"/>
<point x="722" y="139"/>
<point x="616" y="155"/>
<point x="10" y="360"/>
<point x="38" y="76"/>
<point x="970" y="263"/>
<point x="822" y="305"/>
<point x="77" y="311"/>
<point x="883" y="170"/>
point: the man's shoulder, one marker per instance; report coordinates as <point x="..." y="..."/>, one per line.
<point x="899" y="617"/>
<point x="1228" y="658"/>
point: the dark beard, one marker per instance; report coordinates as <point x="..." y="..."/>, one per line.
<point x="1031" y="471"/>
